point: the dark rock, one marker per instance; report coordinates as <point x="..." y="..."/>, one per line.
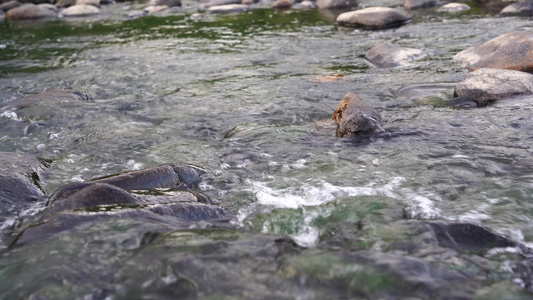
<point x="169" y="3"/>
<point x="282" y="4"/>
<point x="386" y="55"/>
<point x="355" y="116"/>
<point x="487" y="85"/>
<point x="81" y="10"/>
<point x="493" y="5"/>
<point x="512" y="51"/>
<point x="9" y="5"/>
<point x="29" y="11"/>
<point x="454" y="7"/>
<point x="522" y="8"/>
<point x="415" y="4"/>
<point x="328" y="4"/>
<point x="375" y="17"/>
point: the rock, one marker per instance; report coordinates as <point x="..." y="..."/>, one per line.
<point x="355" y="116"/>
<point x="6" y="6"/>
<point x="512" y="51"/>
<point x="329" y="78"/>
<point x="386" y="55"/>
<point x="222" y="2"/>
<point x="88" y="2"/>
<point x="29" y="11"/>
<point x="169" y="3"/>
<point x="79" y="11"/>
<point x="375" y="17"/>
<point x="493" y="5"/>
<point x="327" y="4"/>
<point x="228" y="8"/>
<point x="282" y="4"/>
<point x="49" y="6"/>
<point x="415" y="4"/>
<point x="155" y="9"/>
<point x="306" y="4"/>
<point x="523" y="8"/>
<point x="49" y="95"/>
<point x="454" y="7"/>
<point x="487" y="85"/>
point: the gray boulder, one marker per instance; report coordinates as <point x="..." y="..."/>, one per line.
<point x="355" y="116"/>
<point x="6" y="6"/>
<point x="386" y="55"/>
<point x="512" y="51"/>
<point x="326" y="4"/>
<point x="81" y="10"/>
<point x="487" y="85"/>
<point x="29" y="11"/>
<point x="522" y="8"/>
<point x="454" y="7"/>
<point x="415" y="4"/>
<point x="375" y="17"/>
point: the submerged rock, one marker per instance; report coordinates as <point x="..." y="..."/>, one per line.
<point x="521" y="8"/>
<point x="512" y="51"/>
<point x="414" y="4"/>
<point x="487" y="85"/>
<point x="454" y="7"/>
<point x="81" y="10"/>
<point x="49" y="95"/>
<point x="328" y="4"/>
<point x="29" y="11"/>
<point x="386" y="55"/>
<point x="375" y="17"/>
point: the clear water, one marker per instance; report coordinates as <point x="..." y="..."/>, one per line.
<point x="238" y="94"/>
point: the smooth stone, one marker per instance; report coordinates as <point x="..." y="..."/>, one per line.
<point x="57" y="95"/>
<point x="523" y="8"/>
<point x="375" y="17"/>
<point x="88" y="2"/>
<point x="454" y="7"/>
<point x="386" y="55"/>
<point x="228" y="8"/>
<point x="6" y="6"/>
<point x="29" y="11"/>
<point x="222" y="2"/>
<point x="415" y="4"/>
<point x="282" y="4"/>
<point x="49" y="6"/>
<point x="355" y="116"/>
<point x="306" y="4"/>
<point x="327" y="4"/>
<point x="169" y="3"/>
<point x="82" y="10"/>
<point x="155" y="9"/>
<point x="487" y="85"/>
<point x="512" y="51"/>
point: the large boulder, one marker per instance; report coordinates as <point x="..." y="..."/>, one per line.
<point x="375" y="17"/>
<point x="512" y="51"/>
<point x="521" y="8"/>
<point x="6" y="6"/>
<point x="386" y="55"/>
<point x="415" y="4"/>
<point x="487" y="85"/>
<point x="327" y="4"/>
<point x="81" y="10"/>
<point x="29" y="11"/>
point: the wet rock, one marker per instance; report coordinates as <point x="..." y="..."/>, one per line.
<point x="487" y="85"/>
<point x="386" y="55"/>
<point x="88" y="2"/>
<point x="80" y="11"/>
<point x="6" y="6"/>
<point x="512" y="51"/>
<point x="522" y="8"/>
<point x="29" y="11"/>
<point x="282" y="4"/>
<point x="454" y="7"/>
<point x="228" y="8"/>
<point x="20" y="183"/>
<point x="375" y="17"/>
<point x="169" y="3"/>
<point x="415" y="4"/>
<point x="328" y="4"/>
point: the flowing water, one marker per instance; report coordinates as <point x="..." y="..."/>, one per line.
<point x="238" y="94"/>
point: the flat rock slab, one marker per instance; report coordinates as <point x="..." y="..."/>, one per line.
<point x="454" y="7"/>
<point x="375" y="17"/>
<point x="513" y="51"/>
<point x="386" y="55"/>
<point x="28" y="12"/>
<point x="487" y="85"/>
<point x="228" y="8"/>
<point x="81" y="10"/>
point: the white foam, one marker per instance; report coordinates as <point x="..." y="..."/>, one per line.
<point x="11" y="115"/>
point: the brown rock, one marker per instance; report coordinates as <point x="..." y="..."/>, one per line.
<point x="513" y="51"/>
<point x="81" y="10"/>
<point x="29" y="11"/>
<point x="355" y="116"/>
<point x="282" y="4"/>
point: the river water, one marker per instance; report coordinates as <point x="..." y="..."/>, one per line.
<point x="238" y="94"/>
